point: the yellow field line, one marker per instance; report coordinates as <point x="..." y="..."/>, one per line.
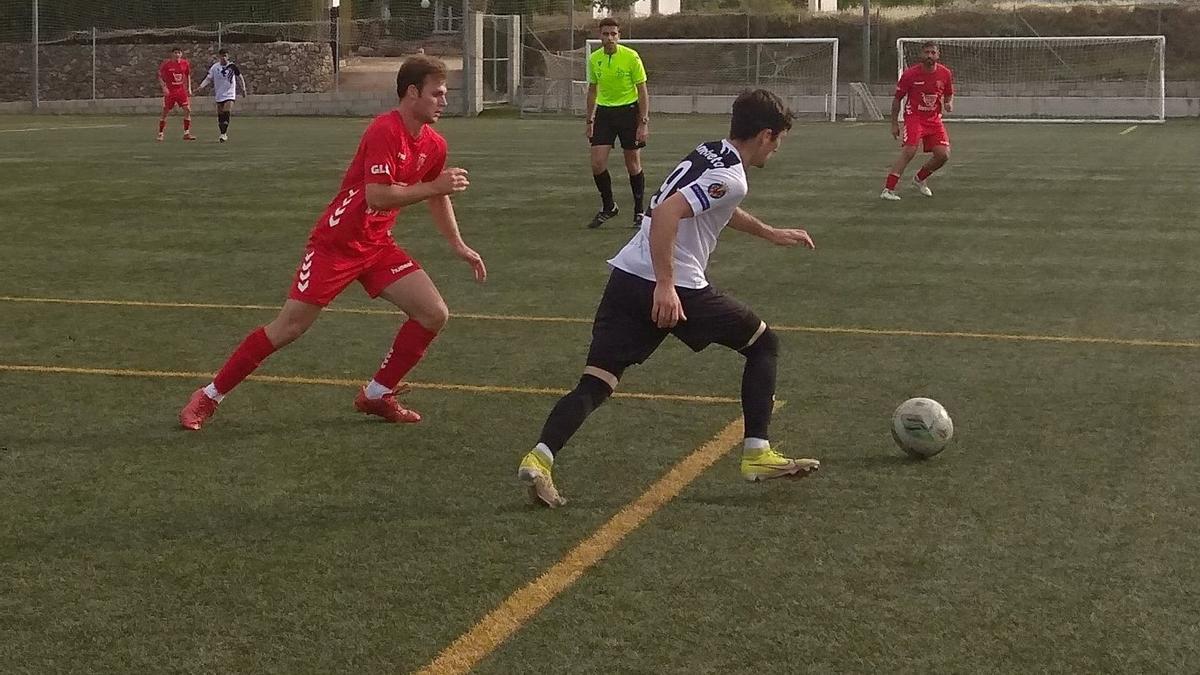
<point x="1129" y="130"/>
<point x="290" y="379"/>
<point x="828" y="330"/>
<point x="509" y="616"/>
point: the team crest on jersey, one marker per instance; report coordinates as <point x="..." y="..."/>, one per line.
<point x="717" y="190"/>
<point x="929" y="101"/>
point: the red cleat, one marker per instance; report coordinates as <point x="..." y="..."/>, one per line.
<point x="386" y="407"/>
<point x="197" y="411"/>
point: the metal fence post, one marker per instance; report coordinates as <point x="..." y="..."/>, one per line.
<point x="219" y="36"/>
<point x="35" y="55"/>
<point x="93" y="63"/>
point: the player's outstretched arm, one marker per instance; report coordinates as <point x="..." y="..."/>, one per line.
<point x="204" y="83"/>
<point x="667" y="310"/>
<point x="742" y="221"/>
<point x="385" y="197"/>
<point x="442" y="212"/>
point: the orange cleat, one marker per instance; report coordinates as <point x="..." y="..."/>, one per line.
<point x="386" y="407"/>
<point x="197" y="411"/>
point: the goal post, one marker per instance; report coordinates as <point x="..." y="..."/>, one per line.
<point x="706" y="75"/>
<point x="1090" y="78"/>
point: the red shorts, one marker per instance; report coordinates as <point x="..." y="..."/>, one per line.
<point x="917" y="130"/>
<point x="323" y="274"/>
<point x="176" y="98"/>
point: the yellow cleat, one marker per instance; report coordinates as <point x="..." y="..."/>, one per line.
<point x="766" y="464"/>
<point x="535" y="472"/>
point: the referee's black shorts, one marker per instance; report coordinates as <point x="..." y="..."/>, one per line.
<point x="623" y="333"/>
<point x="613" y="122"/>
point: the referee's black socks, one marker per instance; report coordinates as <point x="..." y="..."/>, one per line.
<point x="638" y="185"/>
<point x="604" y="185"/>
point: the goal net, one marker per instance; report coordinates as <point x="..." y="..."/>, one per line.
<point x="705" y="75"/>
<point x="1052" y="79"/>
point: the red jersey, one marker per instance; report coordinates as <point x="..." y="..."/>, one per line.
<point x="925" y="90"/>
<point x="175" y="74"/>
<point x="387" y="154"/>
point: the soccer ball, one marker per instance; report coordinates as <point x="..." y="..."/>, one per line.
<point x="922" y="427"/>
<point x="424" y="4"/>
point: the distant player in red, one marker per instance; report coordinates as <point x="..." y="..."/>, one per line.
<point x="175" y="76"/>
<point x="928" y="88"/>
<point x="399" y="162"/>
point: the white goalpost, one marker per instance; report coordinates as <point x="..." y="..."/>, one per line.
<point x="705" y="75"/>
<point x="1101" y="78"/>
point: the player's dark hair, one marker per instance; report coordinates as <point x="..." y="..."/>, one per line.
<point x="610" y="21"/>
<point x="928" y="43"/>
<point x="222" y="52"/>
<point x="756" y="110"/>
<point x="176" y="49"/>
<point x="414" y="71"/>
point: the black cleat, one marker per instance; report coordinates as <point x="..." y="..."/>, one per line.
<point x="602" y="216"/>
<point x="637" y="220"/>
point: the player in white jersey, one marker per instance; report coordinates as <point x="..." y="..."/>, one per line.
<point x="658" y="287"/>
<point x="224" y="75"/>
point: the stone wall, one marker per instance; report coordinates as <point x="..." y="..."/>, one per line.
<point x="131" y="70"/>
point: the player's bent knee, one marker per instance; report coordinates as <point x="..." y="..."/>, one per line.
<point x="434" y="318"/>
<point x="766" y="345"/>
<point x="593" y="390"/>
<point x="607" y="377"/>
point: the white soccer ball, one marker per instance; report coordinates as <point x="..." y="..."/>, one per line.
<point x="922" y="427"/>
<point x="424" y="4"/>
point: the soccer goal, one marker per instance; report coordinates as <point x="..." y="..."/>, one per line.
<point x="705" y="75"/>
<point x="1115" y="78"/>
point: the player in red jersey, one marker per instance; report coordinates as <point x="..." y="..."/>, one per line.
<point x="928" y="88"/>
<point x="175" y="76"/>
<point x="399" y="162"/>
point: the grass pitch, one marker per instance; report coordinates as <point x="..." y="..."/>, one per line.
<point x="1057" y="533"/>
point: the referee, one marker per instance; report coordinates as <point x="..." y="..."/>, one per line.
<point x="618" y="107"/>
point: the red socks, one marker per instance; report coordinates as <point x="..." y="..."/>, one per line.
<point x="923" y="174"/>
<point x="245" y="359"/>
<point x="408" y="348"/>
<point x="187" y="125"/>
<point x="892" y="180"/>
<point x="162" y="124"/>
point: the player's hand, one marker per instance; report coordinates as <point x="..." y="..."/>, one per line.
<point x="469" y="256"/>
<point x="451" y="181"/>
<point x="588" y="130"/>
<point x="896" y="130"/>
<point x="790" y="237"/>
<point x="667" y="310"/>
<point x="948" y="105"/>
<point x="643" y="132"/>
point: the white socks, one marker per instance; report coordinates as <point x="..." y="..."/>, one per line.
<point x="756" y="444"/>
<point x="210" y="391"/>
<point x="375" y="390"/>
<point x="544" y="450"/>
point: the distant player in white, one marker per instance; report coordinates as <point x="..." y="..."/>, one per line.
<point x="224" y="75"/>
<point x="658" y="287"/>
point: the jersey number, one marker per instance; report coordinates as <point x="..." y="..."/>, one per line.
<point x="686" y="172"/>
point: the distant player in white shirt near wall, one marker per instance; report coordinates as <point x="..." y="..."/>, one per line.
<point x="658" y="286"/>
<point x="224" y="75"/>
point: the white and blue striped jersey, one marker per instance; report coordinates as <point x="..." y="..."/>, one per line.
<point x="712" y="179"/>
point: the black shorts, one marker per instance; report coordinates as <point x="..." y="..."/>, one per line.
<point x="613" y="122"/>
<point x="623" y="333"/>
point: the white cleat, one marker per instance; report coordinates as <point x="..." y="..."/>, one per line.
<point x="922" y="187"/>
<point x="160" y="137"/>
<point x="889" y="195"/>
<point x="223" y="137"/>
